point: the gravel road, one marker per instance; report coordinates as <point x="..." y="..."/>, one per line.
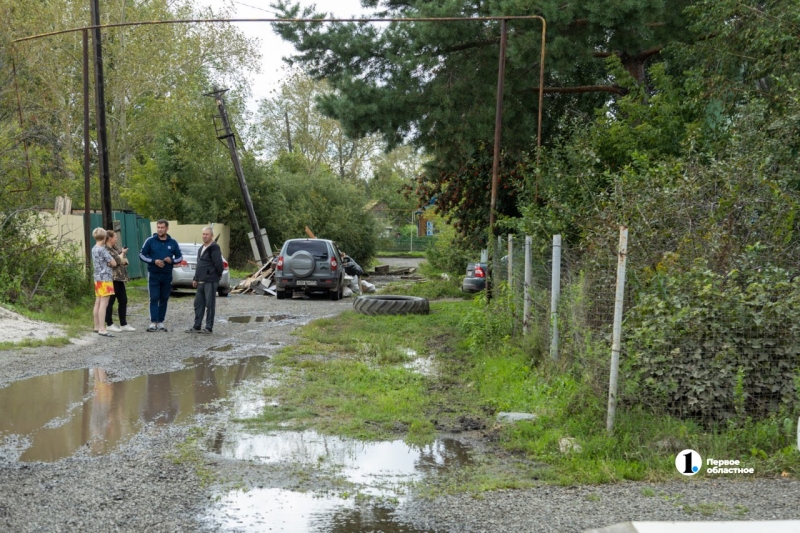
<point x="139" y="486"/>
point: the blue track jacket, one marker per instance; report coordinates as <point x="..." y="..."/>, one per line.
<point x="154" y="248"/>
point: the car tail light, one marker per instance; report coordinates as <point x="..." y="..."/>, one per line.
<point x="479" y="273"/>
<point x="280" y="263"/>
<point x="224" y="265"/>
<point x="334" y="264"/>
<point x="184" y="263"/>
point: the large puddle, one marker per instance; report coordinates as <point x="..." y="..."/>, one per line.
<point x="51" y="417"/>
<point x="375" y="479"/>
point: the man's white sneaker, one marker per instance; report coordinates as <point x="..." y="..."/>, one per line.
<point x="127" y="327"/>
<point x="113" y="327"/>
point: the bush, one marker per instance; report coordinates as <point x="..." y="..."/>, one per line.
<point x="715" y="346"/>
<point x="447" y="254"/>
<point x="34" y="270"/>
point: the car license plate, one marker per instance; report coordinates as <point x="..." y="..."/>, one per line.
<point x="306" y="283"/>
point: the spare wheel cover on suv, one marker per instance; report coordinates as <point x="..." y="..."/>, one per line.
<point x="302" y="264"/>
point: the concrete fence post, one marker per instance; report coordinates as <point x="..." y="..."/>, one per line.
<point x="555" y="294"/>
<point x="526" y="311"/>
<point x="616" y="337"/>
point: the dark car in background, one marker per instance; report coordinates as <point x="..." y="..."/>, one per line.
<point x="310" y="265"/>
<point x="475" y="281"/>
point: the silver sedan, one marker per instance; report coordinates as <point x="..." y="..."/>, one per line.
<point x="183" y="273"/>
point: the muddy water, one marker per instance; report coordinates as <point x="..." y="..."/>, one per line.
<point x="249" y="319"/>
<point x="55" y="415"/>
<point x="377" y="477"/>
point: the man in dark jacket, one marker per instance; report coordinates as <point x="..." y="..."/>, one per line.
<point x="161" y="252"/>
<point x="206" y="280"/>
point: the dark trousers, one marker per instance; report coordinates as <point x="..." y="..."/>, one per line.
<point x="205" y="302"/>
<point x="159" y="286"/>
<point x="122" y="297"/>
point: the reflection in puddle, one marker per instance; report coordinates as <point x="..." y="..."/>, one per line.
<point x="382" y="471"/>
<point x="422" y="365"/>
<point x="357" y="461"/>
<point x="296" y="512"/>
<point x="223" y="348"/>
<point x="247" y="319"/>
<point x="57" y="414"/>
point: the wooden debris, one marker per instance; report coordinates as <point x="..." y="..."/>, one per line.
<point x="260" y="282"/>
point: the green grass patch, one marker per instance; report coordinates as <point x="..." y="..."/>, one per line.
<point x="433" y="289"/>
<point x="400" y="254"/>
<point x="348" y="375"/>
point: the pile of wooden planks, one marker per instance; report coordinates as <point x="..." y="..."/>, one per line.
<point x="260" y="282"/>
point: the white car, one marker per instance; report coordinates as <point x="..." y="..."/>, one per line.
<point x="183" y="273"/>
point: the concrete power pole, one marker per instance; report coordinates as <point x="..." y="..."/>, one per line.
<point x="100" y="101"/>
<point x="230" y="139"/>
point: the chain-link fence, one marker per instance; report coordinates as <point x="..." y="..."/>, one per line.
<point x="711" y="347"/>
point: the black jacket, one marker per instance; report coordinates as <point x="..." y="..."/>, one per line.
<point x="209" y="265"/>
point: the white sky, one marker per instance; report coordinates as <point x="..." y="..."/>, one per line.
<point x="273" y="48"/>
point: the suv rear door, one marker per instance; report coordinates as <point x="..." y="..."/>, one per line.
<point x="304" y="258"/>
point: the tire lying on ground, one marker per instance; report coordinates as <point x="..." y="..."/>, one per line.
<point x="391" y="305"/>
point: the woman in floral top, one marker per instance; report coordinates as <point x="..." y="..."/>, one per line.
<point x="103" y="280"/>
<point x="120" y="274"/>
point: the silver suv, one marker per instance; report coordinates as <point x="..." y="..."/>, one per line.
<point x="310" y="265"/>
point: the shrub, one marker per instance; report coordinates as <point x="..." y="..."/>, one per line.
<point x="711" y="346"/>
<point x="34" y="270"/>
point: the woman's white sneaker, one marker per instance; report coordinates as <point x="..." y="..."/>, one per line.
<point x="113" y="327"/>
<point x="127" y="327"/>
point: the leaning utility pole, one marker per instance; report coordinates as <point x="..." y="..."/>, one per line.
<point x="100" y="102"/>
<point x="230" y="139"/>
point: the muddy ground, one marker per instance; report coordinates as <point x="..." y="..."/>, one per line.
<point x="103" y="435"/>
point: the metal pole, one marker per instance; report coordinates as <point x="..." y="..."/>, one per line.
<point x="526" y="309"/>
<point x="617" y="332"/>
<point x="541" y="93"/>
<point x="555" y="293"/>
<point x="100" y="103"/>
<point x="237" y="166"/>
<point x="498" y="124"/>
<point x="510" y="261"/>
<point x="411" y="233"/>
<point x="87" y="178"/>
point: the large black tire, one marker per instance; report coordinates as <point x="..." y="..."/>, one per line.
<point x="280" y="295"/>
<point x="223" y="292"/>
<point x="391" y="305"/>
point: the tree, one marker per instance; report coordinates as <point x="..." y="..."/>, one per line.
<point x="151" y="73"/>
<point x="290" y="122"/>
<point x="435" y="84"/>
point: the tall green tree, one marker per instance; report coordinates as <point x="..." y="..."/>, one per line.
<point x="290" y="122"/>
<point x="434" y="84"/>
<point x="152" y="73"/>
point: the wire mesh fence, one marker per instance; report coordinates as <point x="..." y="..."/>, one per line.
<point x="698" y="345"/>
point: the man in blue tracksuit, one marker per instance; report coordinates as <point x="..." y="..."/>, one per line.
<point x="161" y="253"/>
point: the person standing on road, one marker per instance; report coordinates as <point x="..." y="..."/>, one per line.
<point x="160" y="252"/>
<point x="206" y="281"/>
<point x="120" y="273"/>
<point x="103" y="280"/>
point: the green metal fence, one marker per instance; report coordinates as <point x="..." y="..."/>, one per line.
<point x="134" y="230"/>
<point x="405" y="244"/>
